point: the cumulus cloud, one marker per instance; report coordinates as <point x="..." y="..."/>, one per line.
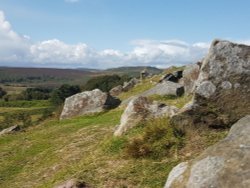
<point x="16" y="49"/>
<point x="13" y="47"/>
<point x="20" y="50"/>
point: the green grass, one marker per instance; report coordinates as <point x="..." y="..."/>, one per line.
<point x="25" y="104"/>
<point x="84" y="147"/>
<point x="179" y="102"/>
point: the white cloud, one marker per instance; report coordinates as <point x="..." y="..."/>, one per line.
<point x="71" y="1"/>
<point x="19" y="50"/>
<point x="13" y="47"/>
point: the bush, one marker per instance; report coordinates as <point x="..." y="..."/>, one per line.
<point x="60" y="94"/>
<point x="159" y="139"/>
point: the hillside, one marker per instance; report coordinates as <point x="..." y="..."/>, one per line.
<point x="84" y="148"/>
<point x="51" y="77"/>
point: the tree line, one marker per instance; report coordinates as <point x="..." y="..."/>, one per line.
<point x="58" y="95"/>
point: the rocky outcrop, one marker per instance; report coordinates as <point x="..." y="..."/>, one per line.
<point x="11" y="129"/>
<point x="165" y="88"/>
<point x="129" y="85"/>
<point x="222" y="91"/>
<point x="73" y="183"/>
<point x="88" y="102"/>
<point x="116" y="90"/>
<point x="190" y="76"/>
<point x="226" y="164"/>
<point x="138" y="110"/>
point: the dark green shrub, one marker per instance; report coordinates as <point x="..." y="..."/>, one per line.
<point x="59" y="95"/>
<point x="36" y="93"/>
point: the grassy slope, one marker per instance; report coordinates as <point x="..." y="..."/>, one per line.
<point x="56" y="151"/>
<point x="84" y="148"/>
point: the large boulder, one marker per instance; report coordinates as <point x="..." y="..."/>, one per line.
<point x="140" y="109"/>
<point x="226" y="164"/>
<point x="190" y="76"/>
<point x="117" y="90"/>
<point x="11" y="129"/>
<point x="222" y="92"/>
<point x="129" y="85"/>
<point x="165" y="88"/>
<point x="88" y="102"/>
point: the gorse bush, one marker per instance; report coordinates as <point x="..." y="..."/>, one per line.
<point x="159" y="139"/>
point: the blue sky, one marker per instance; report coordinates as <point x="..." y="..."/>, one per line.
<point x="107" y="33"/>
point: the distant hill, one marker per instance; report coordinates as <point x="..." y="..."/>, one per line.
<point x="46" y="77"/>
<point x="52" y="77"/>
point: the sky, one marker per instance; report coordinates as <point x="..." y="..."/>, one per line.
<point x="113" y="33"/>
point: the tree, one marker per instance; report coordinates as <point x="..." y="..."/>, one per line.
<point x="36" y="93"/>
<point x="59" y="95"/>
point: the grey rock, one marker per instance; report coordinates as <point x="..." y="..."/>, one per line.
<point x="88" y="102"/>
<point x="165" y="88"/>
<point x="176" y="174"/>
<point x="225" y="164"/>
<point x="11" y="129"/>
<point x="73" y="183"/>
<point x="116" y="90"/>
<point x="221" y="93"/>
<point x="140" y="109"/>
<point x="129" y="85"/>
<point x="190" y="75"/>
<point x="206" y="89"/>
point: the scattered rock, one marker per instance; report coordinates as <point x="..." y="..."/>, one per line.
<point x="11" y="129"/>
<point x="139" y="109"/>
<point x="165" y="88"/>
<point x="116" y="90"/>
<point x="88" y="102"/>
<point x="73" y="183"/>
<point x="226" y="164"/>
<point x="129" y="85"/>
<point x="221" y="94"/>
<point x="190" y="75"/>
